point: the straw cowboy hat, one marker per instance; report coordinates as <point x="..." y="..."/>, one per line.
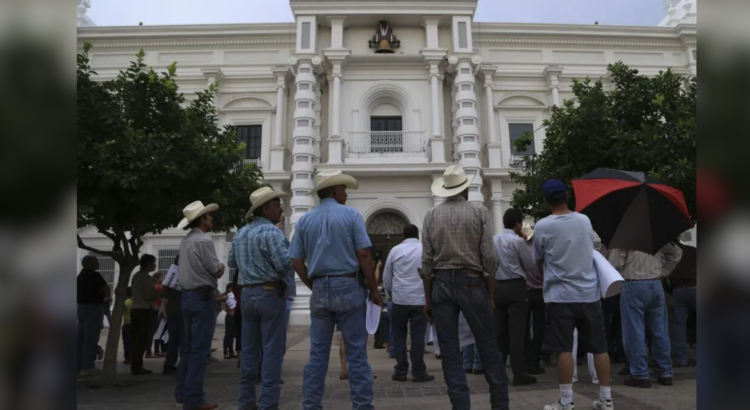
<point x="333" y="177"/>
<point x="528" y="231"/>
<point x="453" y="182"/>
<point x="261" y="196"/>
<point x="194" y="211"/>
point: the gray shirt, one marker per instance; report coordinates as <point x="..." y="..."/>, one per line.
<point x="198" y="261"/>
<point x="566" y="245"/>
<point x="637" y="265"/>
<point x="513" y="256"/>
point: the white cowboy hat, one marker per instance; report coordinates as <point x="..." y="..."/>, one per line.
<point x="194" y="211"/>
<point x="528" y="231"/>
<point x="333" y="177"/>
<point x="453" y="182"/>
<point x="261" y="196"/>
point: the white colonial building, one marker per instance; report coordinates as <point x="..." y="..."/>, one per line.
<point x="391" y="92"/>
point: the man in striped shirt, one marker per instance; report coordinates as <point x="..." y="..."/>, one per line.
<point x="260" y="252"/>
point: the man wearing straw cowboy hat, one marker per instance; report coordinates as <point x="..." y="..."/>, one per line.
<point x="333" y="240"/>
<point x="458" y="258"/>
<point x="200" y="271"/>
<point x="261" y="253"/>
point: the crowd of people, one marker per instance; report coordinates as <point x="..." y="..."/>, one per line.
<point x="519" y="295"/>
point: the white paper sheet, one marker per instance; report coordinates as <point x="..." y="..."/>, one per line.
<point x="610" y="280"/>
<point x="373" y="317"/>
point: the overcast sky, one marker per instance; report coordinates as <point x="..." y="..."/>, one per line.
<point x="160" y="12"/>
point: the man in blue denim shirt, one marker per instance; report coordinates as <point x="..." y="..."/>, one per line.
<point x="333" y="240"/>
<point x="261" y="253"/>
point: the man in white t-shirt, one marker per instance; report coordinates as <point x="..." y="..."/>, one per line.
<point x="564" y="252"/>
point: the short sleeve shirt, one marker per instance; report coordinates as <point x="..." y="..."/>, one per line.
<point x="198" y="261"/>
<point x="566" y="243"/>
<point x="328" y="237"/>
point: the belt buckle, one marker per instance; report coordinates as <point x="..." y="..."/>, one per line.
<point x="268" y="287"/>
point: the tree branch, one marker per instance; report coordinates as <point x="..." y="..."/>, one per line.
<point x="115" y="240"/>
<point x="97" y="251"/>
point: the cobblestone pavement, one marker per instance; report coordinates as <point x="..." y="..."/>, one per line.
<point x="154" y="391"/>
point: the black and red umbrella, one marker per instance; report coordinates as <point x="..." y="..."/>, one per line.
<point x="630" y="210"/>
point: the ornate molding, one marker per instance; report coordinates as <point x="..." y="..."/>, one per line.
<point x="184" y="43"/>
<point x="394" y="206"/>
<point x="571" y="42"/>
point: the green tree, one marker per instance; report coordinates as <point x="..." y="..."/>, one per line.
<point x="646" y="123"/>
<point x="144" y="153"/>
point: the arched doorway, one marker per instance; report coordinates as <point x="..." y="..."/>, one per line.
<point x="386" y="230"/>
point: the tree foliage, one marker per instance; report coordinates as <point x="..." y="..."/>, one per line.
<point x="646" y="124"/>
<point x="144" y="153"/>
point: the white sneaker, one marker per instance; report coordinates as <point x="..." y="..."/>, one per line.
<point x="558" y="406"/>
<point x="603" y="405"/>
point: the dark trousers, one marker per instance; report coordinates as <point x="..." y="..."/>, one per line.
<point x="511" y="315"/>
<point x="140" y="323"/>
<point x="174" y="327"/>
<point x="230" y="335"/>
<point x="454" y="292"/>
<point x="613" y="326"/>
<point x="127" y="341"/>
<point x="414" y="317"/>
<point x="536" y="323"/>
<point x="154" y="325"/>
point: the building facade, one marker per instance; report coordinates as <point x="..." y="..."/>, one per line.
<point x="391" y="92"/>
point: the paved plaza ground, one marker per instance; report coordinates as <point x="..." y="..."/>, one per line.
<point x="155" y="391"/>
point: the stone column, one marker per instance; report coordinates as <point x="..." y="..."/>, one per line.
<point x="467" y="118"/>
<point x="336" y="58"/>
<point x="303" y="136"/>
<point x="278" y="148"/>
<point x="494" y="146"/>
<point x="552" y="75"/>
<point x="437" y="142"/>
<point x="497" y="204"/>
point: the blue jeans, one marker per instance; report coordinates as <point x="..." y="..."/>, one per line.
<point x="471" y="357"/>
<point x="684" y="301"/>
<point x="453" y="292"/>
<point x="643" y="305"/>
<point x="342" y="301"/>
<point x="263" y="338"/>
<point x="174" y="327"/>
<point x="199" y="318"/>
<point x="90" y="322"/>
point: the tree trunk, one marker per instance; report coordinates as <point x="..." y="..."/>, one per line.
<point x="109" y="375"/>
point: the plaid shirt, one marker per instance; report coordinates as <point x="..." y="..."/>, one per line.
<point x="261" y="253"/>
<point x="457" y="234"/>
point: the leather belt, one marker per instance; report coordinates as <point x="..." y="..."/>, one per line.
<point x="200" y="289"/>
<point x="346" y="275"/>
<point x="642" y="280"/>
<point x="270" y="285"/>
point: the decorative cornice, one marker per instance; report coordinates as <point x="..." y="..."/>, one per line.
<point x="579" y="42"/>
<point x="185" y="43"/>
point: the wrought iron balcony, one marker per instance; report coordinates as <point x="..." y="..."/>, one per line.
<point x="368" y="144"/>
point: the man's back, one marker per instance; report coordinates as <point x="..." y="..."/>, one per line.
<point x="566" y="243"/>
<point x="456" y="236"/>
<point x="402" y="273"/>
<point x="198" y="261"/>
<point x="329" y="237"/>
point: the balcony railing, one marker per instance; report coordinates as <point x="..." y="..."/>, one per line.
<point x="254" y="161"/>
<point x="386" y="144"/>
<point x="516" y="161"/>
